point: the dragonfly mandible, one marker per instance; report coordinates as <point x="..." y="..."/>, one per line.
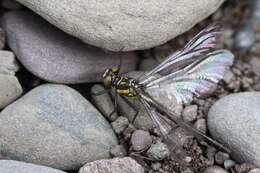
<point x="190" y="71"/>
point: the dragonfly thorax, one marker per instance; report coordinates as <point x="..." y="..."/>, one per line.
<point x="123" y="85"/>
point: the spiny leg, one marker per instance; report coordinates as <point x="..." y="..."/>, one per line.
<point x="133" y="107"/>
<point x="115" y="110"/>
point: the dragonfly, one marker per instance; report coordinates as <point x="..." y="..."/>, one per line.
<point x="189" y="72"/>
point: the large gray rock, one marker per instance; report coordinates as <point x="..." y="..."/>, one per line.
<point x="234" y="120"/>
<point x="10" y="89"/>
<point x="116" y="165"/>
<point x="53" y="55"/>
<point x="124" y="25"/>
<point x="54" y="125"/>
<point x="11" y="166"/>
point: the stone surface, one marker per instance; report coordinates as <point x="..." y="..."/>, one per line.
<point x="255" y="62"/>
<point x="2" y="38"/>
<point x="54" y="125"/>
<point x="140" y="140"/>
<point x="220" y="157"/>
<point x="103" y="102"/>
<point x="11" y="166"/>
<point x="201" y="125"/>
<point x="120" y="124"/>
<point x="189" y="113"/>
<point x="118" y="151"/>
<point x="124" y="25"/>
<point x="158" y="151"/>
<point x="53" y="55"/>
<point x="116" y="165"/>
<point x="215" y="169"/>
<point x="245" y="38"/>
<point x="10" y="89"/>
<point x="8" y="64"/>
<point x="234" y="120"/>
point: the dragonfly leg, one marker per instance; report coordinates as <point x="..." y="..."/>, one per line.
<point x="133" y="107"/>
<point x="99" y="92"/>
<point x="115" y="105"/>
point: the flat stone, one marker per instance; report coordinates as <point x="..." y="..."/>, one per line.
<point x="124" y="25"/>
<point x="54" y="56"/>
<point x="54" y="125"/>
<point x="116" y="165"/>
<point x="140" y="140"/>
<point x="8" y="63"/>
<point x="234" y="120"/>
<point x="10" y="89"/>
<point x="11" y="166"/>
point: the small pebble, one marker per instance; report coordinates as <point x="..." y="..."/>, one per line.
<point x="210" y="152"/>
<point x="257" y="86"/>
<point x="187" y="159"/>
<point x="120" y="124"/>
<point x="187" y="171"/>
<point x="215" y="169"/>
<point x="220" y="157"/>
<point x="158" y="151"/>
<point x="140" y="140"/>
<point x="255" y="62"/>
<point x="189" y="113"/>
<point x="128" y="131"/>
<point x="118" y="151"/>
<point x="156" y="166"/>
<point x="244" y="168"/>
<point x="200" y="125"/>
<point x="244" y="39"/>
<point x="228" y="76"/>
<point x="256" y="170"/>
<point x="228" y="164"/>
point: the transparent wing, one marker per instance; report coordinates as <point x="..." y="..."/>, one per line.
<point x="194" y="80"/>
<point x="201" y="44"/>
<point x="165" y="128"/>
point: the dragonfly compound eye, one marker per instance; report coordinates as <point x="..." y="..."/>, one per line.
<point x="107" y="81"/>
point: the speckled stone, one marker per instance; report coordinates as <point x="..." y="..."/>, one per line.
<point x="54" y="125"/>
<point x="234" y="120"/>
<point x="11" y="166"/>
<point x="53" y="55"/>
<point x="124" y="25"/>
<point x="116" y="165"/>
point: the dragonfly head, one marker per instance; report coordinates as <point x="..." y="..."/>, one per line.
<point x="108" y="76"/>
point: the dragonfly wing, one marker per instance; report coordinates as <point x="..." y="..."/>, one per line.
<point x="165" y="126"/>
<point x="201" y="44"/>
<point x="195" y="80"/>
